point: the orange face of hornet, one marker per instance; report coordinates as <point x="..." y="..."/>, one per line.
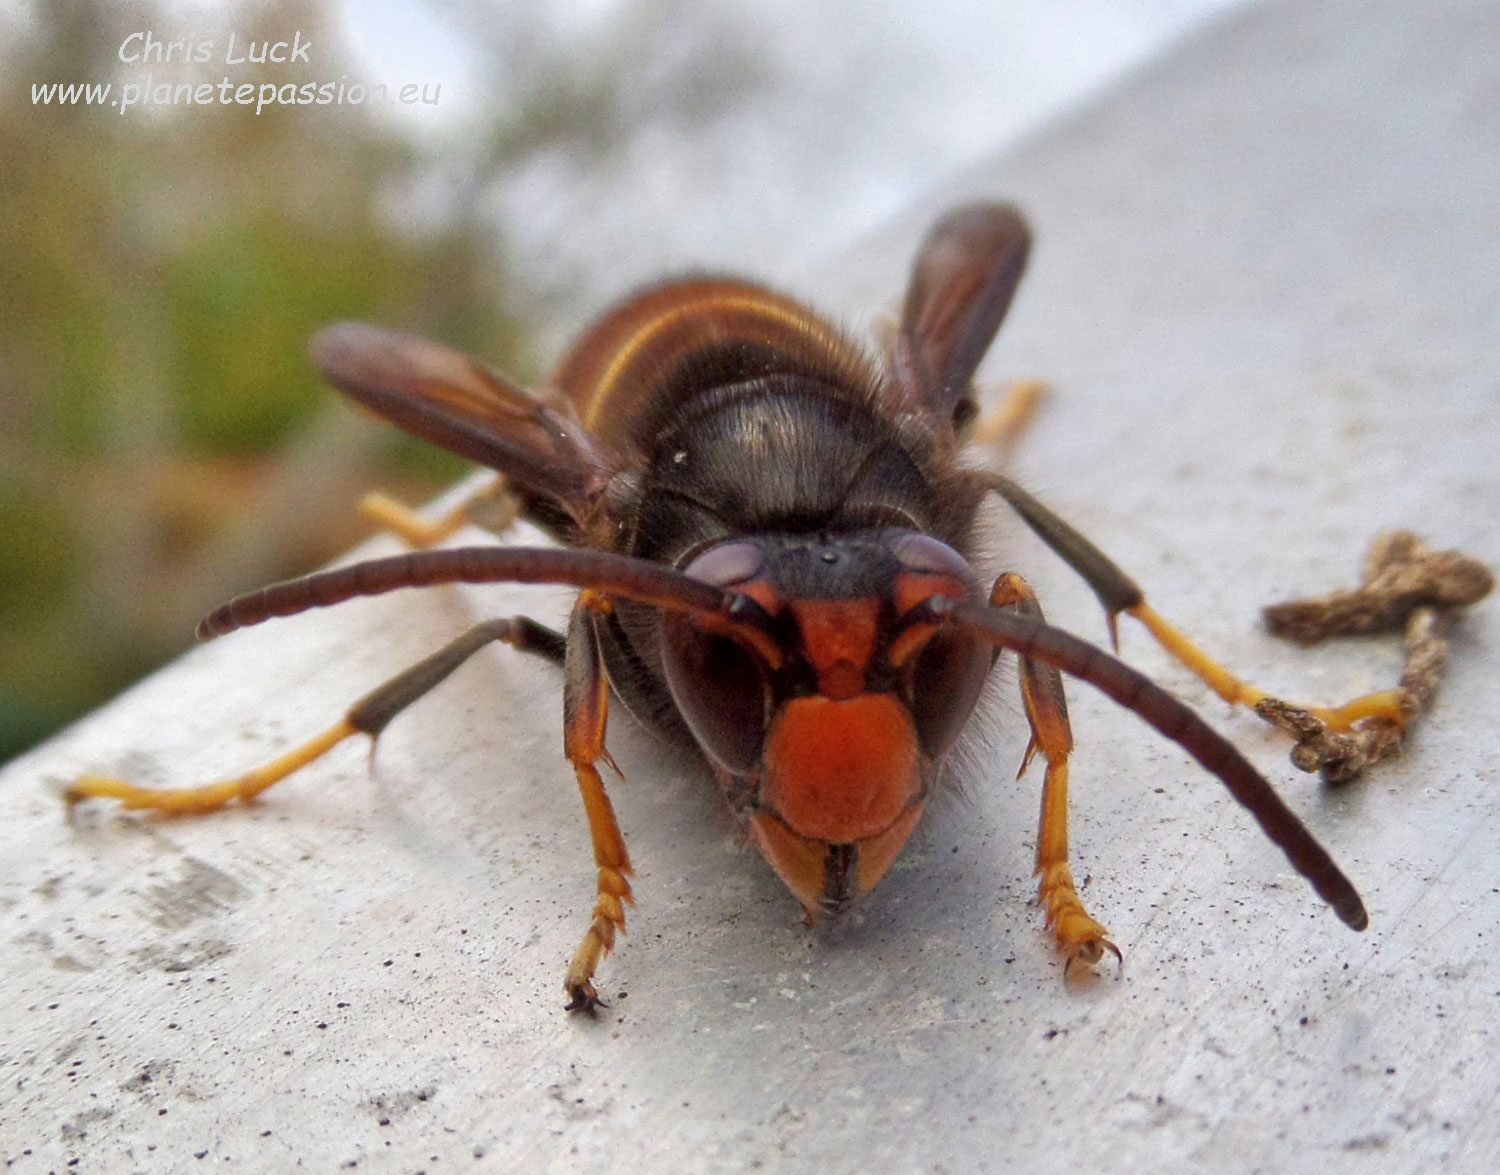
<point x="829" y="746"/>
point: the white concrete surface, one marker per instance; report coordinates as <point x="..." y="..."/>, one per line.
<point x="1266" y="290"/>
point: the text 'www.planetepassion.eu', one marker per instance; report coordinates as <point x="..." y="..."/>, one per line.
<point x="159" y="89"/>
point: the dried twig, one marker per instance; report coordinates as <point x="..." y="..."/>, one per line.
<point x="1401" y="574"/>
<point x="1406" y="583"/>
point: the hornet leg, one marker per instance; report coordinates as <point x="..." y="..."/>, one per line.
<point x="585" y="713"/>
<point x="1080" y="937"/>
<point x="369" y="715"/>
<point x="1119" y="593"/>
<point x="416" y="531"/>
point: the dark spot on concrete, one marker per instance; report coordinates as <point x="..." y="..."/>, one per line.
<point x="65" y="1052"/>
<point x="149" y="1080"/>
<point x="78" y="1126"/>
<point x="200" y="891"/>
<point x="49" y="888"/>
<point x="387" y="1107"/>
<point x="174" y="958"/>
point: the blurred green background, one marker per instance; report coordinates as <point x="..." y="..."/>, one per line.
<point x="163" y="441"/>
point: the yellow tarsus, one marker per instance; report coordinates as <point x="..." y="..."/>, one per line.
<point x="1003" y="425"/>
<point x="208" y="797"/>
<point x="1381" y="704"/>
<point x="410" y="526"/>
